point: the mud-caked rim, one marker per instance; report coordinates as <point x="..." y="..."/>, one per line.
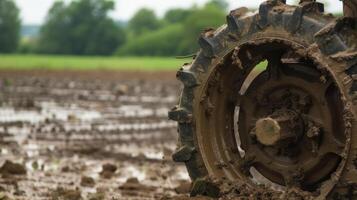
<point x="327" y="42"/>
<point x="312" y="120"/>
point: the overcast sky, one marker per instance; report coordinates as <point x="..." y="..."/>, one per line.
<point x="34" y="11"/>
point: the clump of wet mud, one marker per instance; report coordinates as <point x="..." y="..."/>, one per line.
<point x="10" y="168"/>
<point x="87" y="181"/>
<point x="108" y="170"/>
<point x="66" y="194"/>
<point x="227" y="190"/>
<point x="184" y="187"/>
<point x="133" y="184"/>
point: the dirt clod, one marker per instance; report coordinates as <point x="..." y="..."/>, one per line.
<point x="133" y="184"/>
<point x="122" y="89"/>
<point x="205" y="188"/>
<point x="87" y="181"/>
<point x="108" y="170"/>
<point x="183" y="188"/>
<point x="110" y="167"/>
<point x="10" y="168"/>
<point x="66" y="194"/>
<point x="66" y="169"/>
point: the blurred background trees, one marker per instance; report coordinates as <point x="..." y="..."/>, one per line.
<point x="85" y="27"/>
<point x="144" y="21"/>
<point x="9" y="26"/>
<point x="177" y="15"/>
<point x="80" y="28"/>
<point x="177" y="32"/>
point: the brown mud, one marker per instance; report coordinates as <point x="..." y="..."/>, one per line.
<point x="88" y="135"/>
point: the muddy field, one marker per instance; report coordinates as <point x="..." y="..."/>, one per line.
<point x="94" y="135"/>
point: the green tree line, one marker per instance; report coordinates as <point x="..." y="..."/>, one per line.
<point x="84" y="27"/>
<point x="9" y="26"/>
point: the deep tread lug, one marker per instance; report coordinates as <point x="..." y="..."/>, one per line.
<point x="297" y="17"/>
<point x="328" y="41"/>
<point x="331" y="43"/>
<point x="296" y="20"/>
<point x="207" y="45"/>
<point x="187" y="77"/>
<point x="336" y="27"/>
<point x="183" y="154"/>
<point x="343" y="22"/>
<point x="264" y="9"/>
<point x="233" y="22"/>
<point x="180" y="115"/>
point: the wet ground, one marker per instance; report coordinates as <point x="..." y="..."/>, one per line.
<point x="90" y="135"/>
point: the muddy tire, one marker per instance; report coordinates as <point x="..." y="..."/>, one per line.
<point x="214" y="81"/>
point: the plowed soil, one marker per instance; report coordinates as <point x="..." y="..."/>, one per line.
<point x="88" y="135"/>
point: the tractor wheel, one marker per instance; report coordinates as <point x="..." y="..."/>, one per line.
<point x="271" y="98"/>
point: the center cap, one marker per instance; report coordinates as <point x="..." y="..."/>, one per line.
<point x="268" y="131"/>
<point x="281" y="125"/>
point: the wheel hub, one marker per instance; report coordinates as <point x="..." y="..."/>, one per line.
<point x="286" y="124"/>
<point x="280" y="127"/>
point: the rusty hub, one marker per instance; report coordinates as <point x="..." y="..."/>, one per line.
<point x="287" y="122"/>
<point x="277" y="128"/>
